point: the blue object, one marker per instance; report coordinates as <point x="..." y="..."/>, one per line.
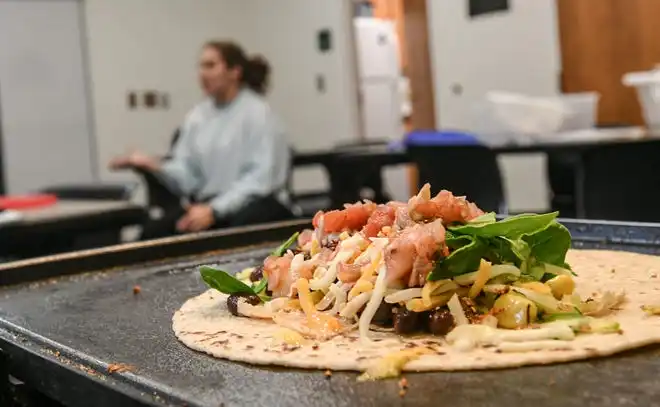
<point x="440" y="138"/>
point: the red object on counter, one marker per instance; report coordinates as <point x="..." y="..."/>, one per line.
<point x="27" y="201"/>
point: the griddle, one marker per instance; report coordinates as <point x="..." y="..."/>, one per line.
<point x="61" y="333"/>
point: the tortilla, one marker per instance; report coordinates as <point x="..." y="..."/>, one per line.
<point x="203" y="323"/>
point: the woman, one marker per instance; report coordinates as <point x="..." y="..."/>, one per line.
<point x="231" y="157"/>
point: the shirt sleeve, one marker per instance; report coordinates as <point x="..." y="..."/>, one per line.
<point x="178" y="172"/>
<point x="265" y="151"/>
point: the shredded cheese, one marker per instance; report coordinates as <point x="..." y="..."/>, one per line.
<point x="535" y="286"/>
<point x="317" y="321"/>
<point x="391" y="365"/>
<point x="483" y="275"/>
<point x="290" y="337"/>
<point x="419" y="305"/>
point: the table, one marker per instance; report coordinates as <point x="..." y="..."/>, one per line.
<point x="66" y="225"/>
<point x="343" y="165"/>
<point x="60" y="336"/>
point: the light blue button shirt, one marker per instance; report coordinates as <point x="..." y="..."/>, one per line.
<point x="233" y="153"/>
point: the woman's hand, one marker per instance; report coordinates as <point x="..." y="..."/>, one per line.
<point x="197" y="218"/>
<point x="134" y="160"/>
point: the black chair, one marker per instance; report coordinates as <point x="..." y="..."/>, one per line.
<point x="561" y="168"/>
<point x="369" y="176"/>
<point x="621" y="182"/>
<point x="464" y="170"/>
<point x="305" y="204"/>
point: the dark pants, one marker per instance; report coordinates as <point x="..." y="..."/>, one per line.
<point x="258" y="210"/>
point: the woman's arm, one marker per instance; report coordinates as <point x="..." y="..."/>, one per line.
<point x="265" y="165"/>
<point x="178" y="172"/>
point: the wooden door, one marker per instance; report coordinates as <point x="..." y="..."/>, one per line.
<point x="601" y="40"/>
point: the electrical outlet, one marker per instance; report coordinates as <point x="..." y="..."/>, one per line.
<point x="150" y="99"/>
<point x="131" y="100"/>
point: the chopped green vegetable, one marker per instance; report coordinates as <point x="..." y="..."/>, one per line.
<point x="512" y="228"/>
<point x="590" y="325"/>
<point x="279" y="252"/>
<point x="575" y="314"/>
<point x="549" y="245"/>
<point x="463" y="260"/>
<point x="260" y="286"/>
<point x="223" y="281"/>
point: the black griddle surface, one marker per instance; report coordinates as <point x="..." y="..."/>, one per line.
<point x="92" y="320"/>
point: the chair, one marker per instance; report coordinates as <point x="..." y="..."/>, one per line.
<point x="305" y="205"/>
<point x="561" y="169"/>
<point x="469" y="170"/>
<point x="621" y="182"/>
<point x="370" y="176"/>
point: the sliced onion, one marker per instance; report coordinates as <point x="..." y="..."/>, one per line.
<point x="546" y="302"/>
<point x="497" y="288"/>
<point x="277" y="304"/>
<point x="330" y="275"/>
<point x="327" y="300"/>
<point x="556" y="270"/>
<point x="374" y="302"/>
<point x="403" y="295"/>
<point x="489" y="320"/>
<point x="354" y="305"/>
<point x="496" y="270"/>
<point x="340" y="298"/>
<point x="457" y="312"/>
<point x="253" y="311"/>
<point x="483" y="275"/>
<point x="294" y="273"/>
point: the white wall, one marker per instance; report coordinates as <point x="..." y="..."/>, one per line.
<point x="153" y="44"/>
<point x="149" y="45"/>
<point x="285" y="32"/>
<point x="516" y="51"/>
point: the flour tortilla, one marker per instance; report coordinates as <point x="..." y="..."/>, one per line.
<point x="203" y="323"/>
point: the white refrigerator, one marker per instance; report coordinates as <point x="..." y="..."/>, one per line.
<point x="380" y="80"/>
<point x="383" y="94"/>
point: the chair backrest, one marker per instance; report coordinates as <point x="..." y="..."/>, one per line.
<point x="464" y="170"/>
<point x="115" y="192"/>
<point x="621" y="182"/>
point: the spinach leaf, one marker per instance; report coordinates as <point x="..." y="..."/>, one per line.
<point x="464" y="259"/>
<point x="279" y="252"/>
<point x="549" y="245"/>
<point x="456" y="242"/>
<point x="512" y="228"/>
<point x="223" y="281"/>
<point x="504" y="250"/>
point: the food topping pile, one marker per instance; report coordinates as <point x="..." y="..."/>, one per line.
<point x="434" y="265"/>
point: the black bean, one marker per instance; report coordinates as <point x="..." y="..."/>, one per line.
<point x="232" y="301"/>
<point x="405" y="321"/>
<point x="440" y="322"/>
<point x="257" y="274"/>
<point x="383" y="315"/>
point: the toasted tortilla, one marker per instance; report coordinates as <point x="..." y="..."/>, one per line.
<point x="203" y="323"/>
